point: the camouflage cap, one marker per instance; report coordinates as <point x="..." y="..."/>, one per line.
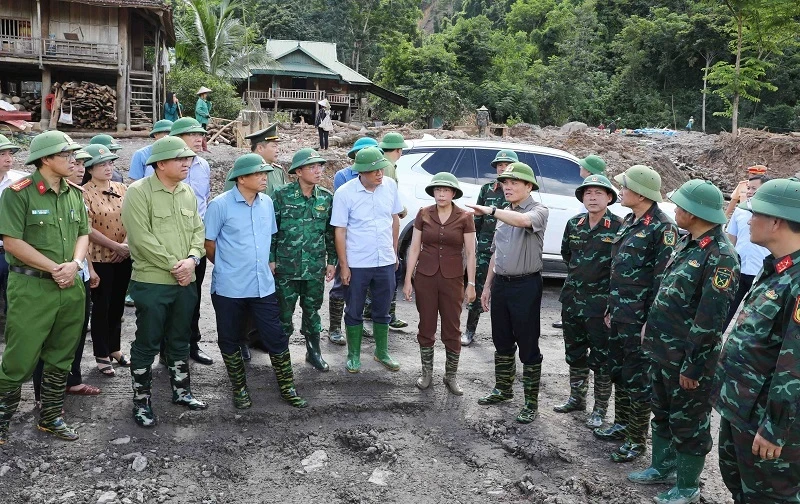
<point x="642" y="180"/>
<point x="186" y="125"/>
<point x="519" y="171"/>
<point x="49" y="143"/>
<point x="106" y="140"/>
<point x="167" y="148"/>
<point x="593" y="164"/>
<point x="247" y="165"/>
<point x="444" y="179"/>
<point x="6" y="145"/>
<point x="305" y="157"/>
<point x="162" y="126"/>
<point x="504" y="156"/>
<point x="360" y="144"/>
<point x="392" y="141"/>
<point x="99" y="153"/>
<point x="370" y="159"/>
<point x="777" y="198"/>
<point x="596" y="181"/>
<point x="702" y="199"/>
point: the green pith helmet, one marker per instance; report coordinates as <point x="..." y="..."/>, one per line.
<point x="305" y="157"/>
<point x="702" y="199"/>
<point x="162" y="126"/>
<point x="169" y="147"/>
<point x="186" y="125"/>
<point x="593" y="164"/>
<point x="82" y="155"/>
<point x="392" y="141"/>
<point x="642" y="180"/>
<point x="777" y="198"/>
<point x="248" y="164"/>
<point x="370" y="159"/>
<point x="360" y="144"/>
<point x="5" y="144"/>
<point x="519" y="171"/>
<point x="505" y="156"/>
<point x="49" y="143"/>
<point x="444" y="179"/>
<point x="106" y="140"/>
<point x="596" y="181"/>
<point x="99" y="153"/>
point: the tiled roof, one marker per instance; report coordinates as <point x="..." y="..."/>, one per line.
<point x="323" y="53"/>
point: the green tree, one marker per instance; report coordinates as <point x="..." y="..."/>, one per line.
<point x="184" y="81"/>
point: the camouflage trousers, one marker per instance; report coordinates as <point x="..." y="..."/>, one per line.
<point x="627" y="363"/>
<point x="585" y="341"/>
<point x="481" y="269"/>
<point x="310" y="294"/>
<point x="683" y="416"/>
<point x="752" y="480"/>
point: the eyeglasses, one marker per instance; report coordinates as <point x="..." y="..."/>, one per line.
<point x="67" y="155"/>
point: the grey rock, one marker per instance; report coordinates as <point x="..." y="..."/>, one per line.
<point x="315" y="461"/>
<point x="107" y="497"/>
<point x="121" y="440"/>
<point x="4" y="470"/>
<point x="139" y="463"/>
<point x="379" y="476"/>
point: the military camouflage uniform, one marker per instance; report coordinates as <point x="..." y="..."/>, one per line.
<point x="584" y="299"/>
<point x="491" y="194"/>
<point x="303" y="242"/>
<point x="758" y="383"/>
<point x="684" y="337"/>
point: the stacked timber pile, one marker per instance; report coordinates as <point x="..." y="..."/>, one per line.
<point x="25" y="103"/>
<point x="93" y="106"/>
<point x="223" y="131"/>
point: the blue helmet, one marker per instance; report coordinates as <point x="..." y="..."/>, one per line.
<point x="360" y="144"/>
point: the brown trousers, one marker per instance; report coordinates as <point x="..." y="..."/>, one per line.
<point x="439" y="296"/>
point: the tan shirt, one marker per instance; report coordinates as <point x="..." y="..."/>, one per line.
<point x="518" y="251"/>
<point x="105" y="215"/>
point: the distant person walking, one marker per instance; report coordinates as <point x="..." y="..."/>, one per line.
<point x="690" y="123"/>
<point x="323" y="123"/>
<point x="173" y="110"/>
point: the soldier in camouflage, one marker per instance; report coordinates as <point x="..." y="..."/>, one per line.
<point x="586" y="249"/>
<point x="758" y="373"/>
<point x="304" y="255"/>
<point x="640" y="252"/>
<point x="683" y="337"/>
<point x="491" y="194"/>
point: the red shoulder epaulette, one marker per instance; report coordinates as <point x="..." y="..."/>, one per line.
<point x="73" y="184"/>
<point x="21" y="184"/>
<point x="648" y="219"/>
<point x="784" y="264"/>
<point x="581" y="221"/>
<point x="704" y="242"/>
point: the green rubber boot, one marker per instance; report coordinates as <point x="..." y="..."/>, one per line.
<point x="662" y="466"/>
<point x="395" y="323"/>
<point x="354" y="334"/>
<point x="450" y="372"/>
<point x="622" y="406"/>
<point x="381" y="333"/>
<point x="426" y="356"/>
<point x="282" y="364"/>
<point x="636" y="441"/>
<point x="531" y="376"/>
<point x="602" y="393"/>
<point x="8" y="406"/>
<point x="687" y="488"/>
<point x="335" y="312"/>
<point x="181" y="385"/>
<point x="578" y="385"/>
<point x="313" y="353"/>
<point x="141" y="380"/>
<point x="234" y="364"/>
<point x="505" y="370"/>
<point x="54" y="386"/>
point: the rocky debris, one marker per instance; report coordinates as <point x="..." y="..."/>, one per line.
<point x="574" y="126"/>
<point x="315" y="461"/>
<point x="139" y="463"/>
<point x="107" y="497"/>
<point x="4" y="469"/>
<point x="368" y="445"/>
<point x="121" y="440"/>
<point x="379" y="476"/>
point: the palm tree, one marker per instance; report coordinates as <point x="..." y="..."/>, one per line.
<point x="212" y="37"/>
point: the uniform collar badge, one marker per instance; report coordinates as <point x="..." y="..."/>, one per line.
<point x="784" y="264"/>
<point x="648" y="219"/>
<point x="583" y="219"/>
<point x="694" y="264"/>
<point x="41" y="187"/>
<point x="607" y="223"/>
<point x="704" y="242"/>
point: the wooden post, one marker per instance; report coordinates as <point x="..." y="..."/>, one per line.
<point x="156" y="67"/>
<point x="316" y="101"/>
<point x="123" y="93"/>
<point x="47" y="83"/>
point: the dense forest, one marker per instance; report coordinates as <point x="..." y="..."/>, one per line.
<point x="647" y="62"/>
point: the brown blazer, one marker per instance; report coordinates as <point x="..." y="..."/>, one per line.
<point x="443" y="244"/>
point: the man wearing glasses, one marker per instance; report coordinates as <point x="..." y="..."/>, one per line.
<point x="303" y="255"/>
<point x="45" y="232"/>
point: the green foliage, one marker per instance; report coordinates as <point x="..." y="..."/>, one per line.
<point x="513" y="120"/>
<point x="283" y="117"/>
<point x="185" y="81"/>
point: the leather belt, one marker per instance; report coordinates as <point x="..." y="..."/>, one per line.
<point x="30" y="272"/>
<point x="514" y="278"/>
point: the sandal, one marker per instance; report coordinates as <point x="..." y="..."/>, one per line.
<point x="122" y="360"/>
<point x="83" y="389"/>
<point x="104" y="366"/>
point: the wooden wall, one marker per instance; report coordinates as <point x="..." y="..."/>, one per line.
<point x="90" y="23"/>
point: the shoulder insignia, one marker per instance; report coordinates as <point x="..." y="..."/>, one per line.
<point x="694" y="264"/>
<point x="320" y="208"/>
<point x="722" y="278"/>
<point x="641" y="234"/>
<point x="670" y="238"/>
<point x="771" y="294"/>
<point x="704" y="242"/>
<point x="73" y="184"/>
<point x="796" y="314"/>
<point x="648" y="219"/>
<point x="581" y="221"/>
<point x="784" y="264"/>
<point x="21" y="184"/>
<point x="607" y="223"/>
<point x="41" y="187"/>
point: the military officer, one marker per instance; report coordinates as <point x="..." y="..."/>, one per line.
<point x="303" y="255"/>
<point x="683" y="337"/>
<point x="265" y="144"/>
<point x="491" y="194"/>
<point x="640" y="252"/>
<point x="586" y="249"/>
<point x="45" y="231"/>
<point x="758" y="374"/>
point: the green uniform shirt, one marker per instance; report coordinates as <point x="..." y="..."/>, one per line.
<point x="491" y="194"/>
<point x="163" y="228"/>
<point x="587" y="253"/>
<point x="758" y="373"/>
<point x="49" y="222"/>
<point x="275" y="179"/>
<point x="687" y="318"/>
<point x="202" y="111"/>
<point x="640" y="252"/>
<point x="305" y="235"/>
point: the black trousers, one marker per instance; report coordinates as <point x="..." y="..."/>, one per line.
<point x="515" y="306"/>
<point x="231" y="312"/>
<point x="108" y="299"/>
<point x="323" y="138"/>
<point x="745" y="282"/>
<point x="200" y="273"/>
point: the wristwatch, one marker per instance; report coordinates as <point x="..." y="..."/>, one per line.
<point x="195" y="259"/>
<point x="79" y="263"/>
<point x="494" y="209"/>
<point x="471" y="283"/>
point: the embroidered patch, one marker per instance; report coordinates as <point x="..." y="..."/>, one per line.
<point x="796" y="316"/>
<point x="20" y="185"/>
<point x="40" y="212"/>
<point x="641" y="234"/>
<point x="704" y="242"/>
<point x="784" y="264"/>
<point x="722" y="278"/>
<point x="670" y="238"/>
<point x="320" y="208"/>
<point x="771" y="294"/>
<point x="694" y="264"/>
<point x="648" y="219"/>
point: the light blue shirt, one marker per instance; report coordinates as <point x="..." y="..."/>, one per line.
<point x="199" y="180"/>
<point x="368" y="217"/>
<point x="243" y="236"/>
<point x="751" y="255"/>
<point x="139" y="169"/>
<point x="344" y="175"/>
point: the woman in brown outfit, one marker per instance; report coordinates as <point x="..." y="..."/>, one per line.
<point x="444" y="235"/>
<point x="110" y="256"/>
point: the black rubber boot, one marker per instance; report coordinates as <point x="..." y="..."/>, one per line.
<point x="313" y="353"/>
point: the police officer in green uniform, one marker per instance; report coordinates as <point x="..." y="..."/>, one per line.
<point x="45" y="231"/>
<point x="491" y="194"/>
<point x="303" y="254"/>
<point x="640" y="252"/>
<point x="265" y="144"/>
<point x="758" y="373"/>
<point x="586" y="249"/>
<point x="683" y="337"/>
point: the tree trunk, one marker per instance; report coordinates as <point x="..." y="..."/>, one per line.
<point x="736" y="73"/>
<point x="708" y="58"/>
